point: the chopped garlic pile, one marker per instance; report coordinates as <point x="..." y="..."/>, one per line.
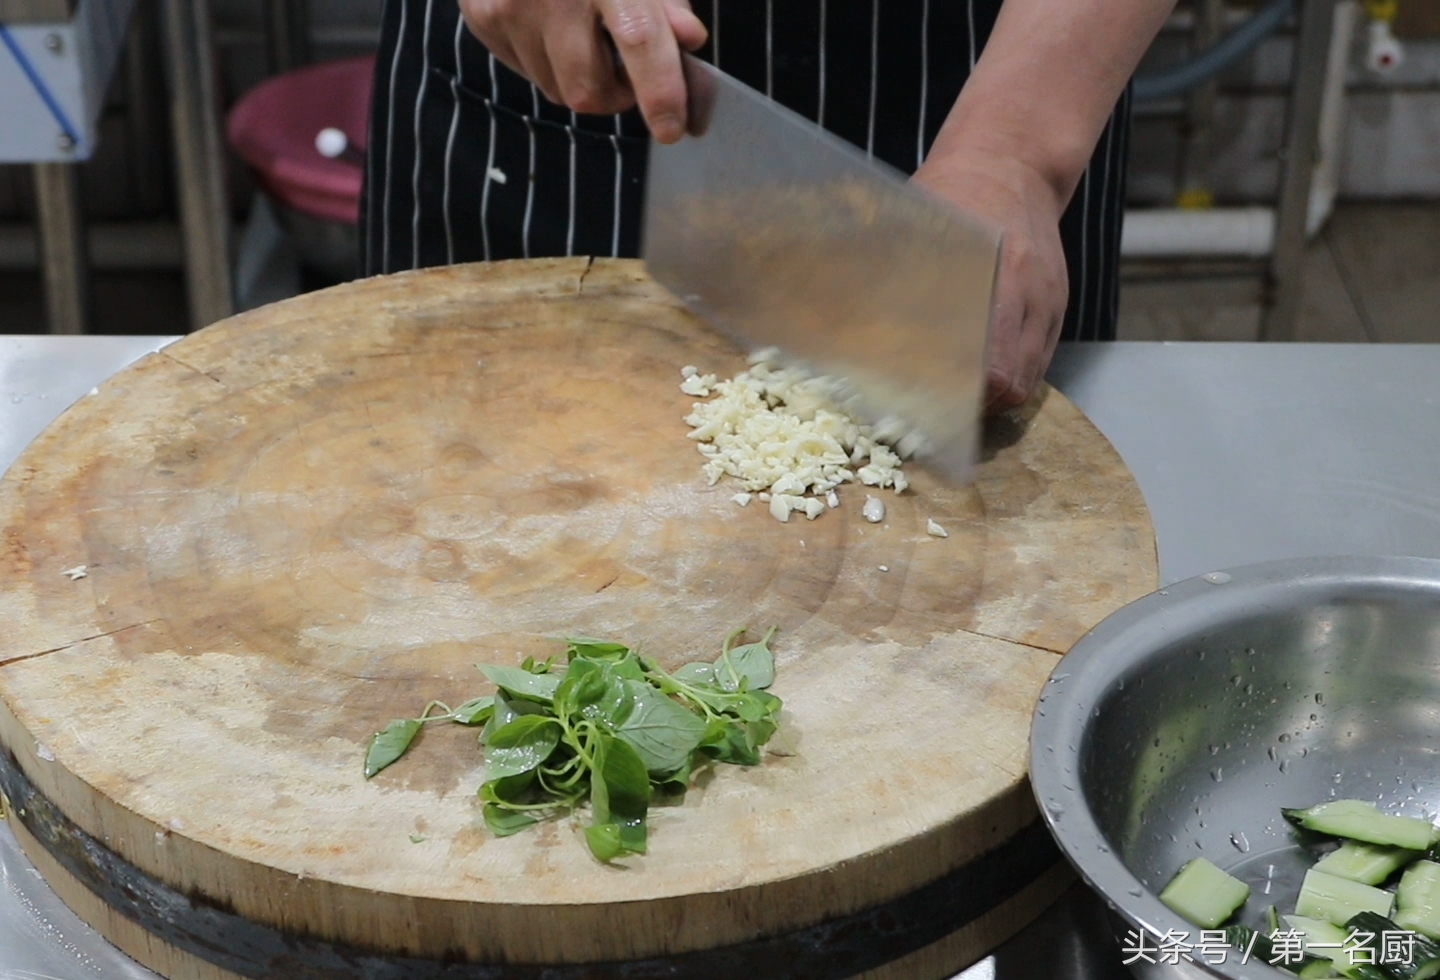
<point x="779" y="431"/>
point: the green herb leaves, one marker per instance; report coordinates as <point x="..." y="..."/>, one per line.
<point x="521" y="746"/>
<point x="389" y="745"/>
<point x="394" y="740"/>
<point x="749" y="667"/>
<point x="659" y="730"/>
<point x="609" y="727"/>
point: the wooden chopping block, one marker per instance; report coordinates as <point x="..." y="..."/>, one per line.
<point x="307" y="520"/>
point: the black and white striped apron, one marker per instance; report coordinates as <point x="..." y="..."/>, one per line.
<point x="468" y="161"/>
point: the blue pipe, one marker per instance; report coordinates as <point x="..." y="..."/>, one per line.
<point x="1221" y="55"/>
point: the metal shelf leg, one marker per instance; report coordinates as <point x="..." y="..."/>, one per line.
<point x="63" y="259"/>
<point x="1284" y="278"/>
<point x="199" y="159"/>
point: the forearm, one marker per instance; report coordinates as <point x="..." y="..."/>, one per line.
<point x="1046" y="83"/>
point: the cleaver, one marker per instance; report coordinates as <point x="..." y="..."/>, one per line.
<point x="783" y="235"/>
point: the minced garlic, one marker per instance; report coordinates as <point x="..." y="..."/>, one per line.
<point x="779" y="431"/>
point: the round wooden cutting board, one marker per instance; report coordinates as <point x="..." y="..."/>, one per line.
<point x="304" y="521"/>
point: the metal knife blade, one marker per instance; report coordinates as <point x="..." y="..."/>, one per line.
<point x="783" y="235"/>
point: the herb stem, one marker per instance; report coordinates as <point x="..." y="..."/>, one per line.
<point x="571" y="735"/>
<point x="426" y="716"/>
<point x="549" y="805"/>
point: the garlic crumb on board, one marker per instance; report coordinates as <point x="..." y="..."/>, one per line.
<point x="783" y="433"/>
<point x="743" y="499"/>
<point x="874" y="510"/>
<point x="780" y="508"/>
<point x="77" y="573"/>
<point x="699" y="385"/>
<point x="884" y="568"/>
<point x="933" y="529"/>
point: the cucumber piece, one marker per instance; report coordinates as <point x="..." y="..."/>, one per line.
<point x="1363" y="821"/>
<point x="1262" y="950"/>
<point x="1419" y="899"/>
<point x="1204" y="895"/>
<point x="1367" y="863"/>
<point x="1248" y="940"/>
<point x="1321" y="938"/>
<point x="1424" y="954"/>
<point x="1337" y="900"/>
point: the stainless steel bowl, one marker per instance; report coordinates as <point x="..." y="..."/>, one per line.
<point x="1181" y="725"/>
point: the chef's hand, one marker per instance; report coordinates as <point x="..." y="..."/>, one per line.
<point x="1032" y="288"/>
<point x="561" y="46"/>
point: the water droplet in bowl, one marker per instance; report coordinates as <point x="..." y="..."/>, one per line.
<point x="1216" y="578"/>
<point x="1241" y="844"/>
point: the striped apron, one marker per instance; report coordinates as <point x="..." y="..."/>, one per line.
<point x="468" y="161"/>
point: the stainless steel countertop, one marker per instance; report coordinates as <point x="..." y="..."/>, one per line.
<point x="1244" y="453"/>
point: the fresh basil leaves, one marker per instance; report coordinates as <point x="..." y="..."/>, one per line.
<point x="608" y="727"/>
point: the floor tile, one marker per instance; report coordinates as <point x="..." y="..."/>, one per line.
<point x="1389" y="258"/>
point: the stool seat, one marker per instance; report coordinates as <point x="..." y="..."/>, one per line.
<point x="273" y="128"/>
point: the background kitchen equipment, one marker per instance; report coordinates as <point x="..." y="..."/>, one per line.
<point x="311" y="184"/>
<point x="1231" y="150"/>
<point x="1180" y="726"/>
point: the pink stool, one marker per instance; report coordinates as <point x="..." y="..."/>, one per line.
<point x="273" y="129"/>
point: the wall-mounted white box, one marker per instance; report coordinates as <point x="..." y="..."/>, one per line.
<point x="54" y="73"/>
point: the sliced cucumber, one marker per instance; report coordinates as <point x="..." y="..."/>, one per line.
<point x="1424" y="955"/>
<point x="1337" y="900"/>
<point x="1204" y="895"/>
<point x="1260" y="949"/>
<point x="1320" y="938"/>
<point x="1362" y="821"/>
<point x="1248" y="941"/>
<point x="1367" y="863"/>
<point x="1419" y="899"/>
